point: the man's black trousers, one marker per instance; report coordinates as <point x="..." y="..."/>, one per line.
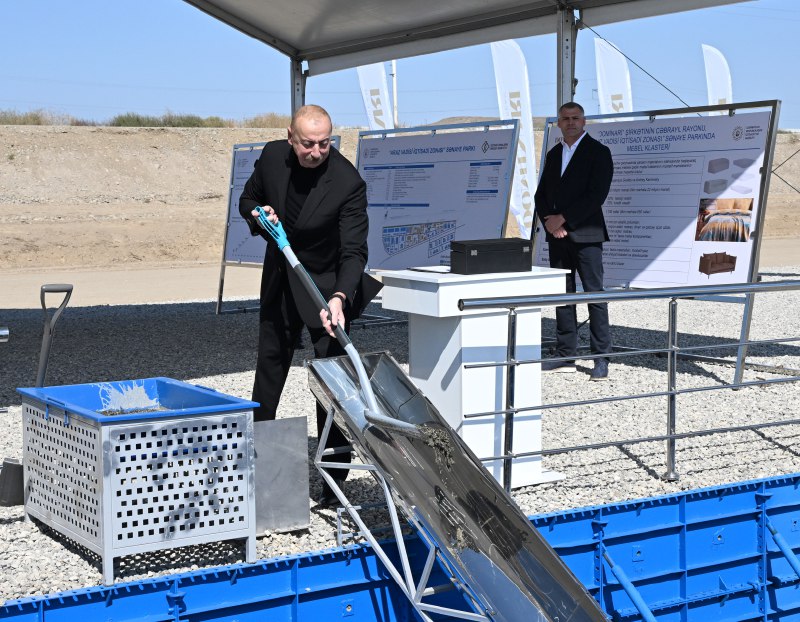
<point x="587" y="261"/>
<point x="279" y="328"/>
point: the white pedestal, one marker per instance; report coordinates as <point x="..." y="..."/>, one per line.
<point x="443" y="339"/>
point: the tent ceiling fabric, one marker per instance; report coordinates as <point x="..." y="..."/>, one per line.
<point x="337" y="34"/>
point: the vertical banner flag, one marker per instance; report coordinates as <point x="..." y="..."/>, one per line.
<point x="613" y="79"/>
<point x="514" y="100"/>
<point x="375" y="92"/>
<point x="718" y="77"/>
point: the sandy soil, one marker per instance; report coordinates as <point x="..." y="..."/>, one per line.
<point x="96" y="198"/>
<point x="101" y="197"/>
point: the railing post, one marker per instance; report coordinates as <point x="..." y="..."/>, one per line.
<point x="672" y="366"/>
<point x="511" y="370"/>
<point x="744" y="335"/>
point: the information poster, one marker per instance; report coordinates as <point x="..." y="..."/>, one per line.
<point x="424" y="191"/>
<point x="683" y="204"/>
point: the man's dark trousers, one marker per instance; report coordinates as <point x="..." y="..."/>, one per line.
<point x="280" y="325"/>
<point x="587" y="261"/>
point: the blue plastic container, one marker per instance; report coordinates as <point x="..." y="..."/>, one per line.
<point x="148" y="398"/>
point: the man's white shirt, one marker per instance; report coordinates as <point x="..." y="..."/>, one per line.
<point x="568" y="152"/>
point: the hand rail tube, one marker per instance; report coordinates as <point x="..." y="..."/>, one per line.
<point x="553" y="300"/>
<point x="672" y="350"/>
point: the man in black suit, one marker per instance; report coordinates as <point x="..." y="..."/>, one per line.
<point x="320" y="199"/>
<point x="573" y="186"/>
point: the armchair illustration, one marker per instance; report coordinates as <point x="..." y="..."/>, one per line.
<point x="713" y="263"/>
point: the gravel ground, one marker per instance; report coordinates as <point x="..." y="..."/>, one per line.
<point x="188" y="342"/>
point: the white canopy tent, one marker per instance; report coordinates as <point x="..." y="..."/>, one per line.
<point x="320" y="36"/>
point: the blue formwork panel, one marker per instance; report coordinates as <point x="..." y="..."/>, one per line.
<point x="706" y="555"/>
<point x="347" y="584"/>
<point x="701" y="555"/>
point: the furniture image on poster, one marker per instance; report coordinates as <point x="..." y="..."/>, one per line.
<point x="715" y="186"/>
<point x="724" y="220"/>
<point x="714" y="263"/>
<point x="718" y="165"/>
<point x="442" y="340"/>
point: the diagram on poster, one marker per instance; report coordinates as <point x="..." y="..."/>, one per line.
<point x="683" y="203"/>
<point x="425" y="190"/>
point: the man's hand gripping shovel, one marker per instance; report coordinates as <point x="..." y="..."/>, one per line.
<point x="371" y="412"/>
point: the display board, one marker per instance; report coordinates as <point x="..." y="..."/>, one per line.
<point x="428" y="186"/>
<point x="241" y="247"/>
<point x="685" y="201"/>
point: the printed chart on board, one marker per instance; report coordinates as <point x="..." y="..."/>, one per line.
<point x="683" y="203"/>
<point x="240" y="246"/>
<point x="424" y="191"/>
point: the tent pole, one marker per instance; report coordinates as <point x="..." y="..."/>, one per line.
<point x="567" y="38"/>
<point x="298" y="83"/>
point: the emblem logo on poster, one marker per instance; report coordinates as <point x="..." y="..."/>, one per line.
<point x="738" y="132"/>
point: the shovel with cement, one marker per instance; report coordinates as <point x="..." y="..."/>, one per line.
<point x="372" y="412"/>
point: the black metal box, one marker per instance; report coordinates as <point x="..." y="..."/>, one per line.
<point x="485" y="256"/>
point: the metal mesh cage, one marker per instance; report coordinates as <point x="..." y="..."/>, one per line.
<point x="119" y="487"/>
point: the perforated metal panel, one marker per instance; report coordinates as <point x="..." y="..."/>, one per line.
<point x="132" y="487"/>
<point x="63" y="473"/>
<point x="176" y="479"/>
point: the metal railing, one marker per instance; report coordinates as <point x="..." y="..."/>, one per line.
<point x="672" y="351"/>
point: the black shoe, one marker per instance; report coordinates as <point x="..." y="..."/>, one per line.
<point x="558" y="367"/>
<point x="600" y="371"/>
<point x="327" y="497"/>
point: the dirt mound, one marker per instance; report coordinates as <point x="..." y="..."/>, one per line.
<point x="101" y="197"/>
<point x="98" y="196"/>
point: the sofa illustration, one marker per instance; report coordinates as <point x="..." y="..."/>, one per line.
<point x="713" y="263"/>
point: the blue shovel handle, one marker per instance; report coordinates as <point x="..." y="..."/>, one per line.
<point x="275" y="231"/>
<point x="371" y="411"/>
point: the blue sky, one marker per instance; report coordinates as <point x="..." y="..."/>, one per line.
<point x="93" y="59"/>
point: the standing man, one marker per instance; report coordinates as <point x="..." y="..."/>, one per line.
<point x="574" y="184"/>
<point x="321" y="200"/>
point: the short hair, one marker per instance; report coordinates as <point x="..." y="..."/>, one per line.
<point x="310" y="111"/>
<point x="571" y="105"/>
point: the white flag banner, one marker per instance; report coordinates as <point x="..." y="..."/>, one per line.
<point x="718" y="77"/>
<point x="514" y="100"/>
<point x="375" y="92"/>
<point x="613" y="79"/>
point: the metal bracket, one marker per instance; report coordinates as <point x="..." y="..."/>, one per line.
<point x="787" y="551"/>
<point x="414" y="590"/>
<point x="629" y="587"/>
